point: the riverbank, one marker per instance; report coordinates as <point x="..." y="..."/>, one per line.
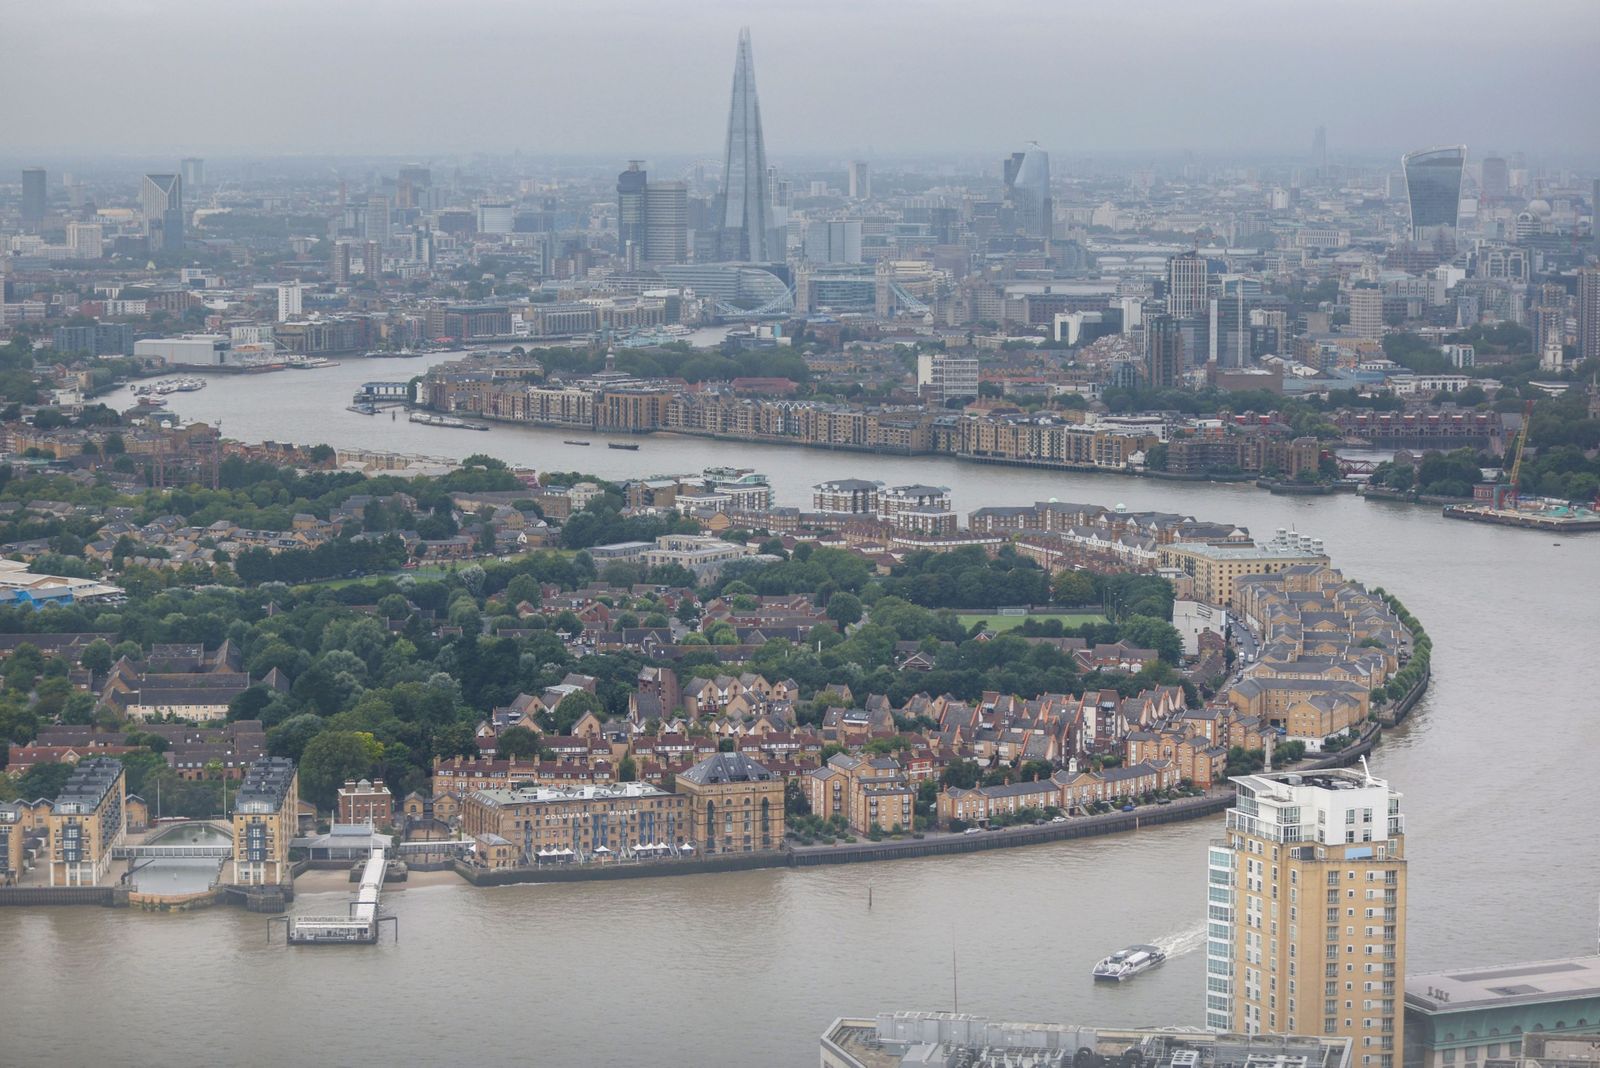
<point x="1409" y="683"/>
<point x="1394" y="496"/>
<point x="927" y="845"/>
<point x="1392" y="703"/>
<point x="1228" y="479"/>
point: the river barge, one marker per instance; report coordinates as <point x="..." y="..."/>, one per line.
<point x="1552" y="519"/>
<point x="430" y="419"/>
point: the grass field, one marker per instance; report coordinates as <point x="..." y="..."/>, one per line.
<point x="1000" y="624"/>
<point x="421" y="574"/>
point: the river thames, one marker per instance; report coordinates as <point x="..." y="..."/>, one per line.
<point x="1496" y="765"/>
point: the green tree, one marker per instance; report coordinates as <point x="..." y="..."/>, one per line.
<point x="41" y="780"/>
<point x="143" y="769"/>
<point x="962" y="774"/>
<point x="844" y="608"/>
<point x="79" y="709"/>
<point x="18" y="722"/>
<point x="1147" y="633"/>
<point x="291" y="737"/>
<point x="23" y="667"/>
<point x="249" y="703"/>
<point x="97" y="657"/>
<point x="517" y="743"/>
<point x="1075" y="588"/>
<point x="333" y="757"/>
<point x="571" y="708"/>
<point x="455" y="739"/>
<point x="51" y="697"/>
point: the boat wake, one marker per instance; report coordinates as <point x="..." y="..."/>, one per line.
<point x="1177" y="943"/>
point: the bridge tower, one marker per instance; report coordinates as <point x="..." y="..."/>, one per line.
<point x="883" y="295"/>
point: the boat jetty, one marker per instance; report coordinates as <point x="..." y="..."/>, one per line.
<point x="360" y="925"/>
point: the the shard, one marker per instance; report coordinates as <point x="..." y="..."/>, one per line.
<point x="746" y="196"/>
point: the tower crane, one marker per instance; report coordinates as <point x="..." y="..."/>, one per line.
<point x="1508" y="492"/>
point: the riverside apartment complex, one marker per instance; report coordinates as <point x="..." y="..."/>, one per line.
<point x="87" y="821"/>
<point x="1306" y="912"/>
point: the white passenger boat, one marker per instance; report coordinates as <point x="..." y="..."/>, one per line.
<point x="1127" y="963"/>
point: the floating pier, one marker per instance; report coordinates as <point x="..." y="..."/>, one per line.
<point x="357" y="928"/>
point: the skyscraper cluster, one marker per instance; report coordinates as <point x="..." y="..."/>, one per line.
<point x="652" y="218"/>
<point x="747" y="221"/>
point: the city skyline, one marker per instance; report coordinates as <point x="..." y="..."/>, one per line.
<point x="499" y="101"/>
<point x="1061" y="491"/>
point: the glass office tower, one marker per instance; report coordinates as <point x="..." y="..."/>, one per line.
<point x="746" y="198"/>
<point x="1433" y="189"/>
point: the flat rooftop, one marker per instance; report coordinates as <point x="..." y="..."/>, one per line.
<point x="265" y="786"/>
<point x="1248" y="552"/>
<point x="1504" y="985"/>
<point x="893" y="1040"/>
<point x="87" y="786"/>
<point x="525" y="795"/>
<point x="1323" y="779"/>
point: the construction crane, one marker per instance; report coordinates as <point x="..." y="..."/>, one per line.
<point x="1507" y="497"/>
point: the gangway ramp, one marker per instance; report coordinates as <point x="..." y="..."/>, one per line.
<point x="360" y="925"/>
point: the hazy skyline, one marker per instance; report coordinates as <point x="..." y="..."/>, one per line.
<point x="630" y="79"/>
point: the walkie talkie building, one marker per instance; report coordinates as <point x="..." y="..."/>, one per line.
<point x="1433" y="189"/>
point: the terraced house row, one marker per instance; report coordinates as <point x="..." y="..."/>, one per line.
<point x="1001" y="435"/>
<point x="613" y="401"/>
<point x="1327" y="645"/>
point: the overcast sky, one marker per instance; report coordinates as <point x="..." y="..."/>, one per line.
<point x="853" y="77"/>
